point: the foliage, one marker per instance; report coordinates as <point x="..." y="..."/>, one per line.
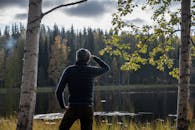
<point x="193" y="47"/>
<point x="2" y="55"/>
<point x="58" y="58"/>
<point x="13" y="62"/>
<point x="44" y="52"/>
<point x="92" y="39"/>
<point x="156" y="42"/>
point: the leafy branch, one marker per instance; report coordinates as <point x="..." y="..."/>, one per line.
<point x="155" y="44"/>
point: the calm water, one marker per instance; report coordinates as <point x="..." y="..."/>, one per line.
<point x="159" y="102"/>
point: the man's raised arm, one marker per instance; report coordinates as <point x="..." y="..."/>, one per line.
<point x="104" y="67"/>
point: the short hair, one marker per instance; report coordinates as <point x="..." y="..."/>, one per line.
<point x="83" y="55"/>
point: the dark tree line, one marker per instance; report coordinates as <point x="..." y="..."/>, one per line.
<point x="57" y="50"/>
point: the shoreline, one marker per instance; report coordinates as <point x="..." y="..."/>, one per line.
<point x="134" y="87"/>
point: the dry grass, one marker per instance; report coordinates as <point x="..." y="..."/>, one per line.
<point x="10" y="124"/>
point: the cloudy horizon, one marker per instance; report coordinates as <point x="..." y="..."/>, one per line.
<point x="93" y="13"/>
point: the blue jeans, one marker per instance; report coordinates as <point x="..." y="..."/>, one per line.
<point x="83" y="113"/>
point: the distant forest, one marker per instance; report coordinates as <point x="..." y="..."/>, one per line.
<point x="57" y="50"/>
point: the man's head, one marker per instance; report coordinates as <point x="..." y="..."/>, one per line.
<point x="83" y="55"/>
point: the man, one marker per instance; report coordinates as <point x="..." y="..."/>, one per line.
<point x="79" y="79"/>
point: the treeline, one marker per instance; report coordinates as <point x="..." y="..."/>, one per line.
<point x="57" y="50"/>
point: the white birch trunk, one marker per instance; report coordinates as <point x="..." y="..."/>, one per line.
<point x="29" y="79"/>
<point x="30" y="65"/>
<point x="184" y="65"/>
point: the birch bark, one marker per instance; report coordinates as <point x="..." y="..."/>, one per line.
<point x="30" y="65"/>
<point x="29" y="79"/>
<point x="184" y="67"/>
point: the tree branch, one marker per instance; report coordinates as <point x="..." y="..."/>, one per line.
<point x="64" y="5"/>
<point x="171" y="33"/>
<point x="175" y="31"/>
<point x="57" y="7"/>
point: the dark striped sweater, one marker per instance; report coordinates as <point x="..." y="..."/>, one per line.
<point x="79" y="78"/>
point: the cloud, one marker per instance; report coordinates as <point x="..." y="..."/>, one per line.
<point x="24" y="3"/>
<point x="136" y="20"/>
<point x="8" y="3"/>
<point x="52" y="3"/>
<point x="90" y="9"/>
<point x="175" y="5"/>
<point x="21" y="16"/>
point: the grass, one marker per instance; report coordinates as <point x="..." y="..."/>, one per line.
<point x="10" y="124"/>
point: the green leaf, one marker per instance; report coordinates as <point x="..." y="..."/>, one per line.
<point x="174" y="73"/>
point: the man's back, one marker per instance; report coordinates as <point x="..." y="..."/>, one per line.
<point x="80" y="84"/>
<point x="79" y="78"/>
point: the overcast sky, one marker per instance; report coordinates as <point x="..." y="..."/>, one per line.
<point x="93" y="13"/>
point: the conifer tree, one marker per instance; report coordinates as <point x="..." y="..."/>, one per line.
<point x="58" y="58"/>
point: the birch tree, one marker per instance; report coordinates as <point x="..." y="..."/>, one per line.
<point x="166" y="23"/>
<point x="184" y="67"/>
<point x="30" y="64"/>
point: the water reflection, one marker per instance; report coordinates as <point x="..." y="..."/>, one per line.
<point x="160" y="103"/>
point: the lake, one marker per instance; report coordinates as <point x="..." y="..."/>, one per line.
<point x="160" y="102"/>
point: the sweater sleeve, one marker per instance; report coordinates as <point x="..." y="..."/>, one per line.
<point x="60" y="89"/>
<point x="104" y="67"/>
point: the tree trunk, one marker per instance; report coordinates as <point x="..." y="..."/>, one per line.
<point x="184" y="65"/>
<point x="29" y="79"/>
<point x="30" y="65"/>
